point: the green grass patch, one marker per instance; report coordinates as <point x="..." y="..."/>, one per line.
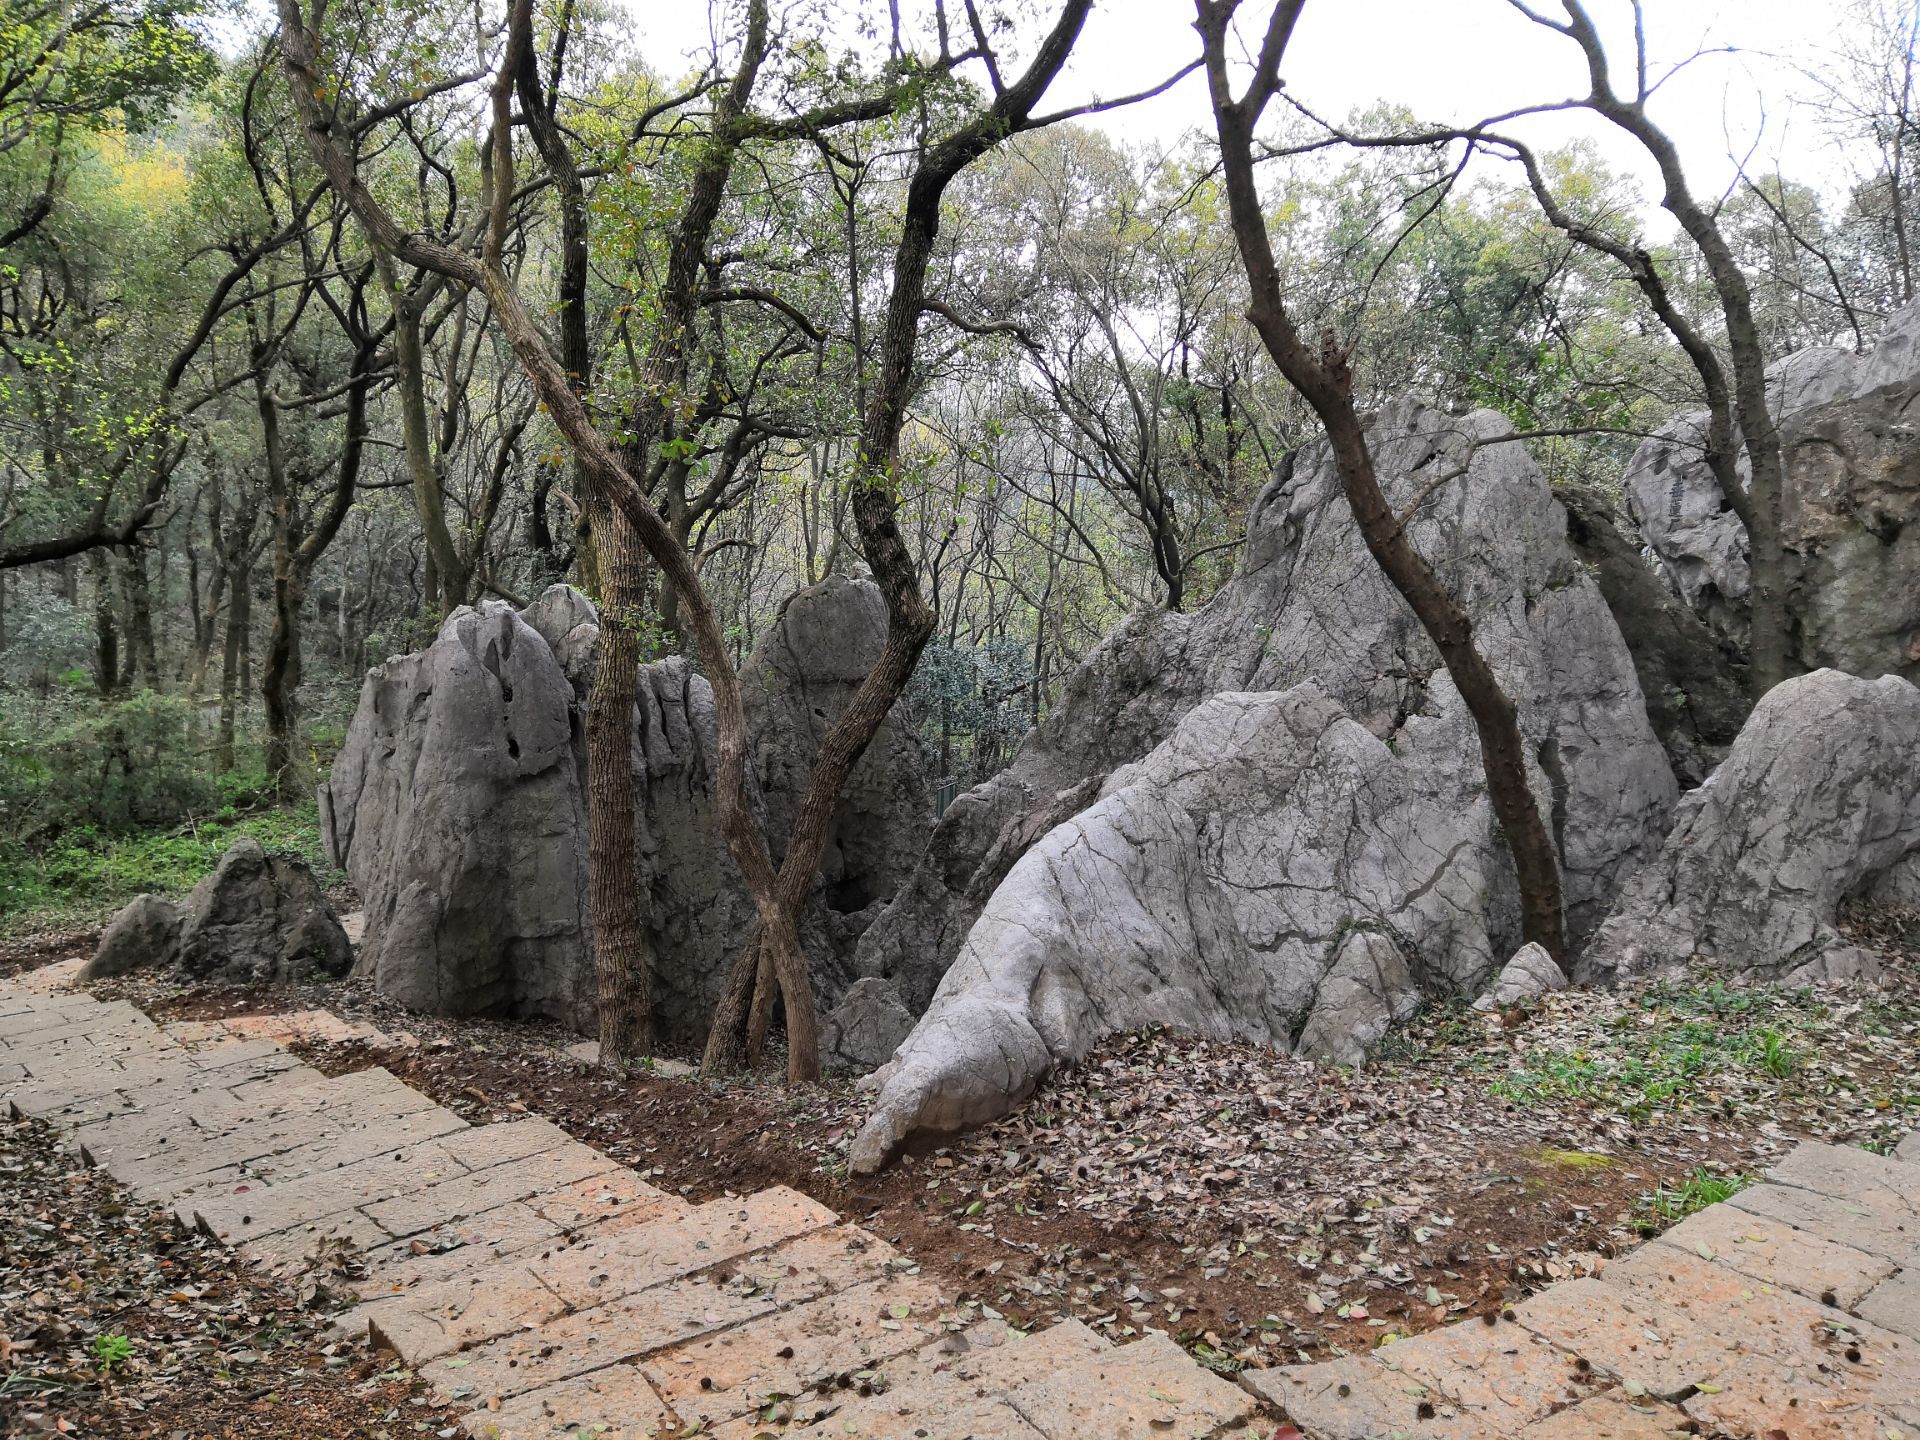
<point x="1671" y="1203"/>
<point x="85" y="874"/>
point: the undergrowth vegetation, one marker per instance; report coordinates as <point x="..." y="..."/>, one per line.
<point x="100" y="801"/>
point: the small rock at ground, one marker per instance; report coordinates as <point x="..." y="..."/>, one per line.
<point x="1530" y="974"/>
<point x="260" y="917"/>
<point x="145" y="932"/>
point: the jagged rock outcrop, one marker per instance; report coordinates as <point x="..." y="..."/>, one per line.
<point x="145" y="932"/>
<point x="458" y="807"/>
<point x="1696" y="693"/>
<point x="256" y="919"/>
<point x="1850" y="515"/>
<point x="796" y="685"/>
<point x="1818" y="802"/>
<point x="1223" y="884"/>
<point x="1530" y="974"/>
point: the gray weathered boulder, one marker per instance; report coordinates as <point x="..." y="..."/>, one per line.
<point x="145" y="932"/>
<point x="1695" y="691"/>
<point x="260" y="918"/>
<point x="1530" y="974"/>
<point x="1308" y="603"/>
<point x="1818" y="802"/>
<point x="796" y="685"/>
<point x="456" y="808"/>
<point x="869" y="1020"/>
<point x="1850" y="513"/>
<point x="1301" y="864"/>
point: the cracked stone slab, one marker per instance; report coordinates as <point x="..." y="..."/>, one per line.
<point x="703" y="1237"/>
<point x="1612" y="1416"/>
<point x="1501" y="1376"/>
<point x="481" y="1190"/>
<point x="719" y="1377"/>
<point x="614" y="1403"/>
<point x="627" y="1329"/>
<point x="1151" y="1387"/>
<point x="1627" y="1336"/>
<point x="1894" y="1304"/>
<point x="963" y="1374"/>
<point x="1878" y="1229"/>
<point x="442" y="1319"/>
<point x="1846" y="1172"/>
<point x="1774" y="1338"/>
<point x="1774" y="1253"/>
<point x="1357" y="1398"/>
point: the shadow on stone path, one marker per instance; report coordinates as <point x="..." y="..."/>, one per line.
<point x="524" y="1272"/>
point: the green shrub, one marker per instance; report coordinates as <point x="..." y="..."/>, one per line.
<point x="111" y="767"/>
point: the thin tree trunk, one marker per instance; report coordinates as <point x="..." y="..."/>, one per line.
<point x="619" y="934"/>
<point x="106" y="631"/>
<point x="1324" y="381"/>
<point x="239" y="618"/>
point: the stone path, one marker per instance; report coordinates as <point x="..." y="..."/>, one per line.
<point x="524" y="1272"/>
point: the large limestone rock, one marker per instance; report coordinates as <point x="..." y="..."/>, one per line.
<point x="1695" y="691"/>
<point x="796" y="685"/>
<point x="1850" y="514"/>
<point x="456" y="808"/>
<point x="256" y="919"/>
<point x="1306" y="849"/>
<point x="1819" y="801"/>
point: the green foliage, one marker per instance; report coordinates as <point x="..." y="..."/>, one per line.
<point x="112" y="1351"/>
<point x="104" y="768"/>
<point x="1700" y="1189"/>
<point x="88" y="873"/>
<point x="1683" y="1041"/>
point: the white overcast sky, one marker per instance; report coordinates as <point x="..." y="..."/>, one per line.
<point x="1452" y="60"/>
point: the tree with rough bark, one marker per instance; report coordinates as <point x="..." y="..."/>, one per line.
<point x="1322" y="375"/>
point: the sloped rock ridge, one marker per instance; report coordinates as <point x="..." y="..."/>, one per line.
<point x="458" y="807"/>
<point x="1308" y="604"/>
<point x="1301" y="848"/>
<point x="1819" y="802"/>
<point x="257" y="918"/>
<point x="1850" y="515"/>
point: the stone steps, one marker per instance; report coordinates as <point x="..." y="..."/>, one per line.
<point x="559" y="1293"/>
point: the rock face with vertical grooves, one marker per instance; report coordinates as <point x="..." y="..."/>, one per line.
<point x="1290" y="839"/>
<point x="1850" y="515"/>
<point x="458" y="808"/>
<point x="1818" y="802"/>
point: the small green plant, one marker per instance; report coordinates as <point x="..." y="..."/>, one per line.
<point x="112" y="1351"/>
<point x="1700" y="1189"/>
<point x="1777" y="1057"/>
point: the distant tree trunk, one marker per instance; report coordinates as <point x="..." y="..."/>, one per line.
<point x="141" y="651"/>
<point x="232" y="686"/>
<point x="106" y="631"/>
<point x="619" y="936"/>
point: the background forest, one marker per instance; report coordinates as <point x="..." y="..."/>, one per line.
<point x="245" y="455"/>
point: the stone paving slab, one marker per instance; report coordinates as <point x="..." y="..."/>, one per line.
<point x="1828" y="1357"/>
<point x="1612" y="1416"/>
<point x="720" y="1377"/>
<point x="1151" y="1387"/>
<point x="949" y="1378"/>
<point x="1876" y="1228"/>
<point x="1894" y="1304"/>
<point x="561" y="1294"/>
<point x="1778" y="1255"/>
<point x="1501" y="1377"/>
<point x="613" y="1403"/>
